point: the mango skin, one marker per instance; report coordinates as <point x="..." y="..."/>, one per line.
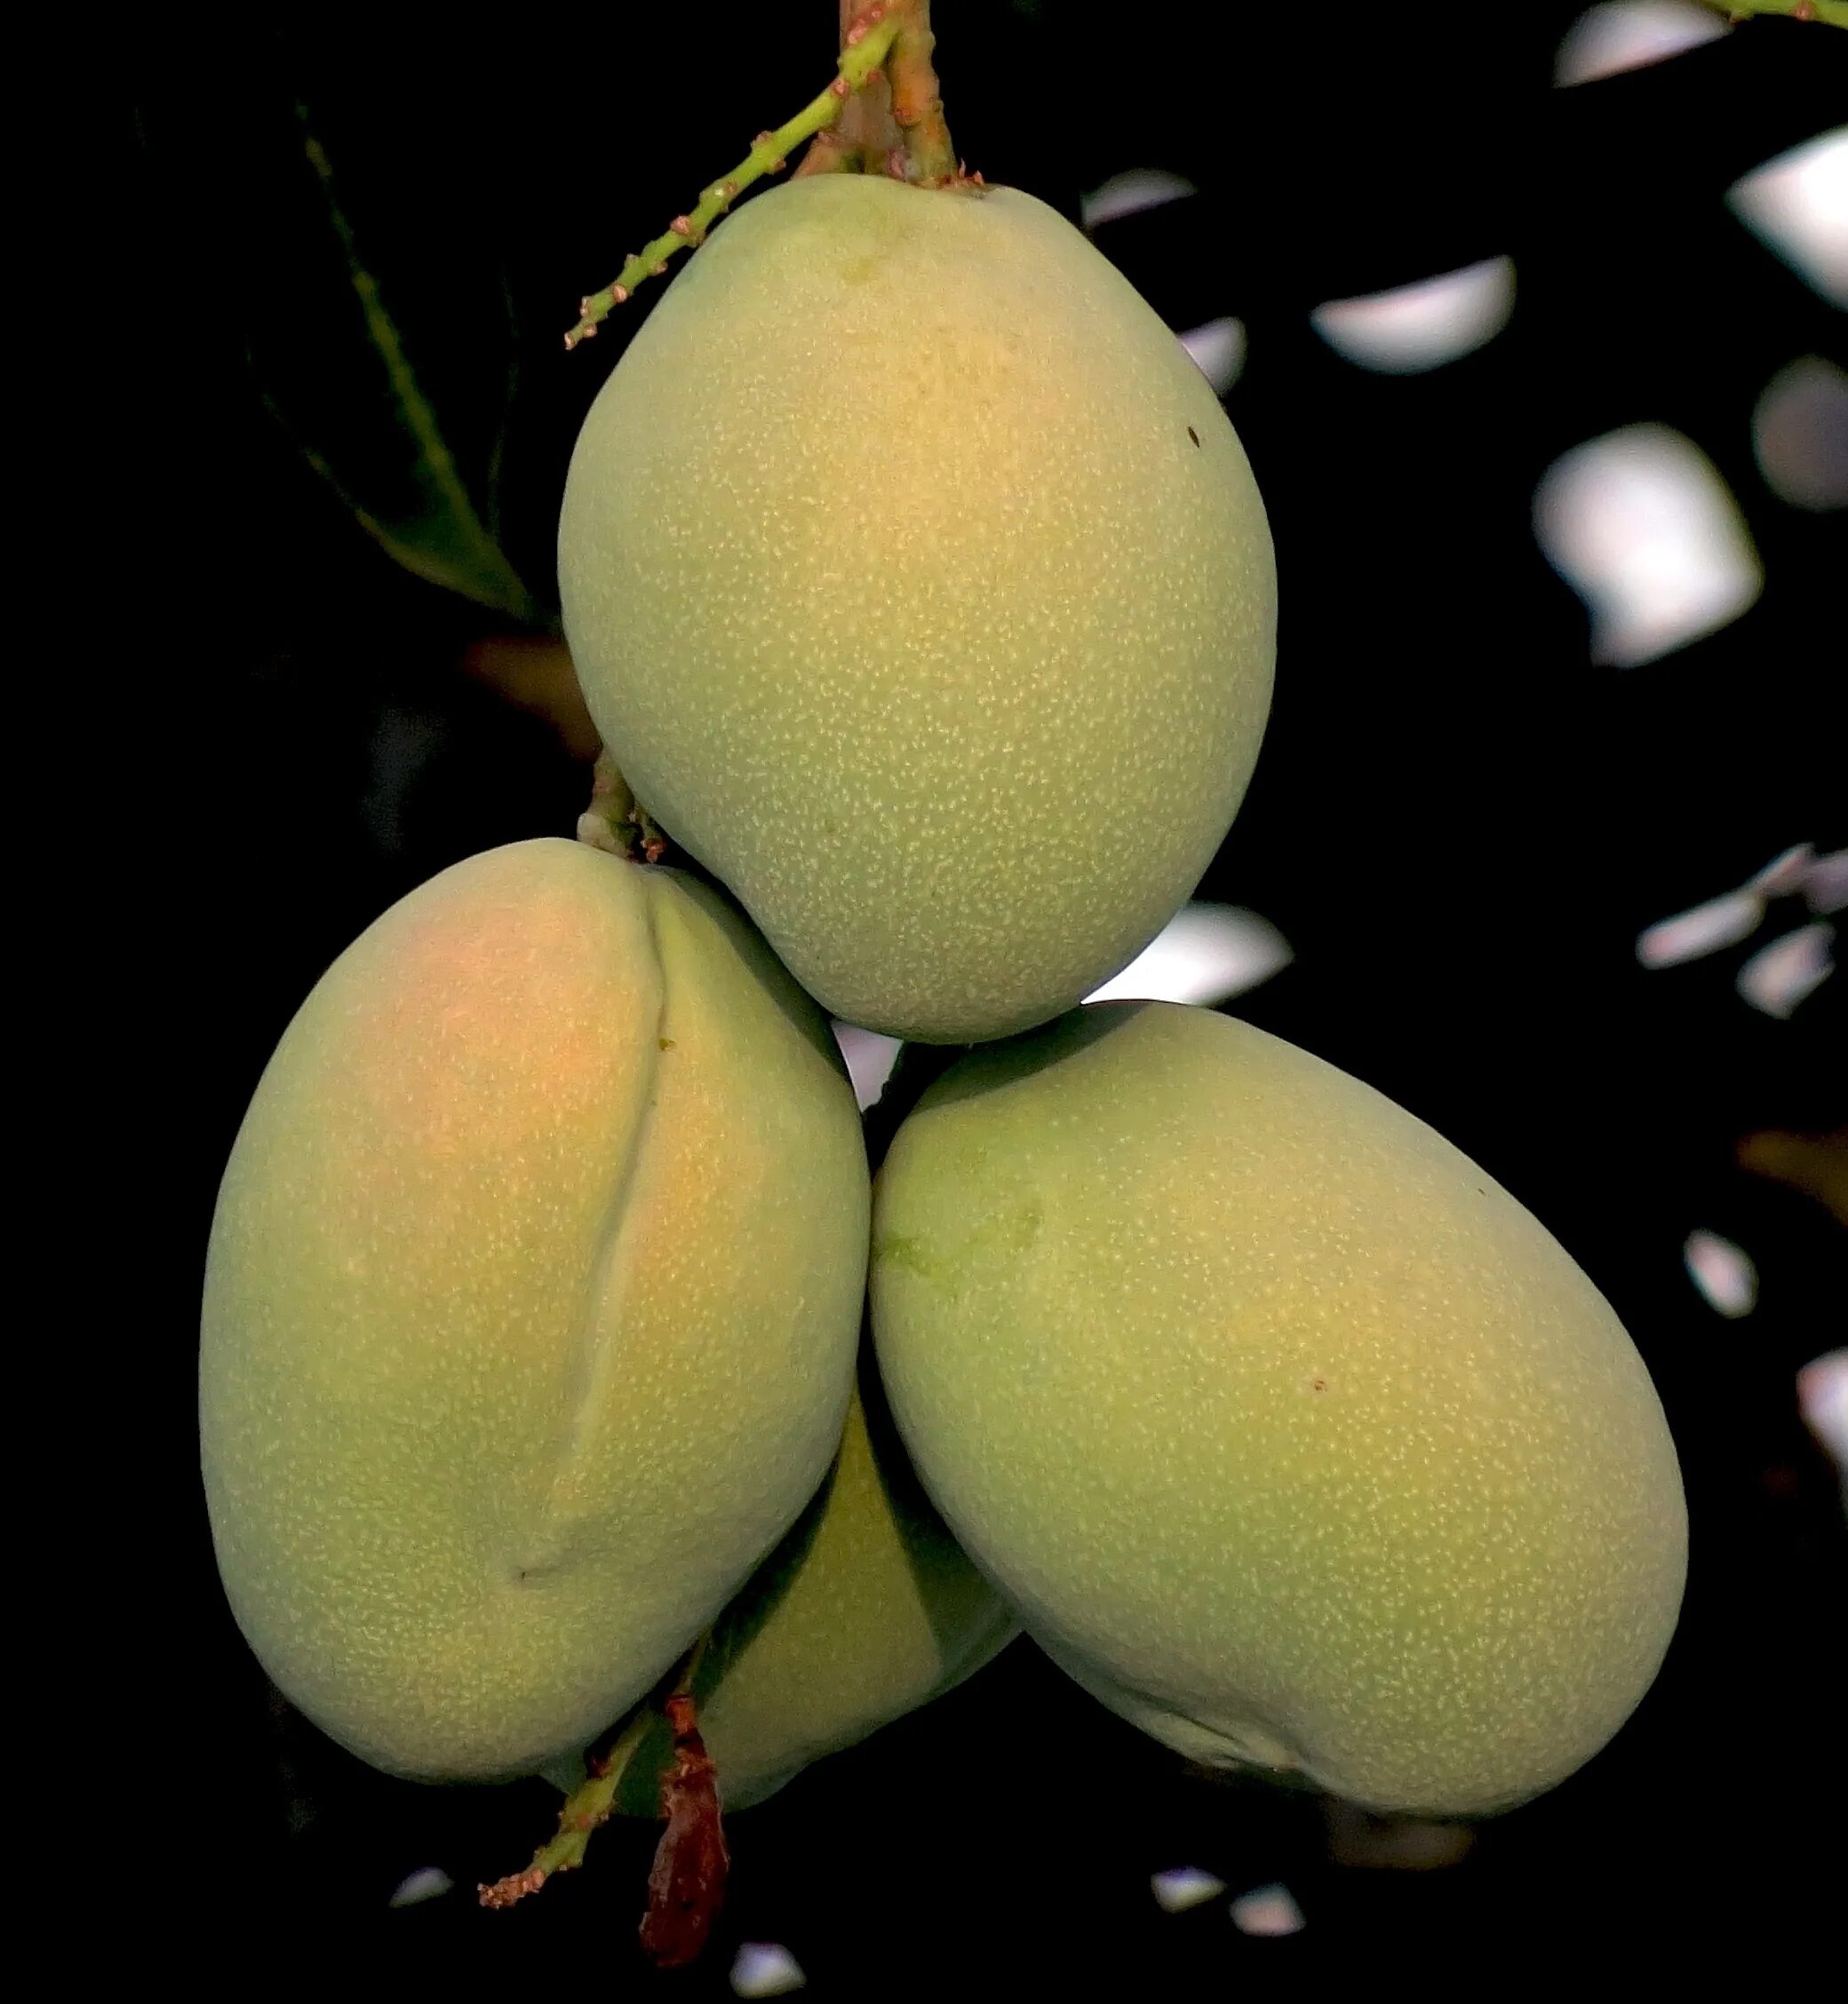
<point x="866" y="1610"/>
<point x="1289" y="1435"/>
<point x="905" y="598"/>
<point x="531" y="1308"/>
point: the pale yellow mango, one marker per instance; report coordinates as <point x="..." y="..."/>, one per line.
<point x="530" y="1308"/>
<point x="866" y="1611"/>
<point x="921" y="588"/>
<point x="1287" y="1431"/>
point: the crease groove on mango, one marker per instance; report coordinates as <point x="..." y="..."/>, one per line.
<point x="601" y="1330"/>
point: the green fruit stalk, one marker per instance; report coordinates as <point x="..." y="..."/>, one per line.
<point x="920" y="590"/>
<point x="1290" y="1435"/>
<point x="530" y="1308"/>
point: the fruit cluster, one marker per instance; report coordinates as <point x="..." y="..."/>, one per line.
<point x="920" y="589"/>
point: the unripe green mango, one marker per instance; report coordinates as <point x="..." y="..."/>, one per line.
<point x="530" y="1306"/>
<point x="1288" y="1433"/>
<point x="920" y="589"/>
<point x="866" y="1610"/>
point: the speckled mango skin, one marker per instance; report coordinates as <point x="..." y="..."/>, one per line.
<point x="921" y="590"/>
<point x="1290" y="1434"/>
<point x="866" y="1610"/>
<point x="531" y="1308"/>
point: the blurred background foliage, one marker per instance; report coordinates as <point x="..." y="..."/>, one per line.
<point x="360" y="234"/>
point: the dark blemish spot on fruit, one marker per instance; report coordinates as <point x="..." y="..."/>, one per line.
<point x="902" y="1250"/>
<point x="1193" y="435"/>
<point x="1318" y="1384"/>
<point x="666" y="1043"/>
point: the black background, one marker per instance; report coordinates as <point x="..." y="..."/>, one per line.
<point x="1458" y="822"/>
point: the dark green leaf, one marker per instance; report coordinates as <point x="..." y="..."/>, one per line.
<point x="337" y="369"/>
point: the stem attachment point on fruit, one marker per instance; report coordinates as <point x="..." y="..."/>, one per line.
<point x="882" y="114"/>
<point x="616" y="822"/>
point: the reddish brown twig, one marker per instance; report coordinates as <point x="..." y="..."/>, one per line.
<point x="918" y="105"/>
<point x="687" y="1885"/>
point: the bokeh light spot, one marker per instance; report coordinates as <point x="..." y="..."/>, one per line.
<point x="1735" y="915"/>
<point x="1780" y="975"/>
<point x="1204" y="954"/>
<point x="765" y="1970"/>
<point x="1418" y="327"/>
<point x="1825" y="883"/>
<point x="429" y="1882"/>
<point x="1640" y="524"/>
<point x="1184" y="1886"/>
<point x="1630" y="34"/>
<point x="870" y="1057"/>
<point x="1822" y="1399"/>
<point x="1218" y="351"/>
<point x="1785" y="873"/>
<point x="1719" y="922"/>
<point x="1130" y="193"/>
<point x="1800" y="434"/>
<point x="1267" y="1910"/>
<point x="1725" y="1274"/>
<point x="1797" y="204"/>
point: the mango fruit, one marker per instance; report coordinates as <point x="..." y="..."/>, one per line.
<point x="920" y="590"/>
<point x="531" y="1307"/>
<point x="1288" y="1433"/>
<point x="866" y="1610"/>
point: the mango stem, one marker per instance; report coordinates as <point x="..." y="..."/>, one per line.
<point x="865" y="137"/>
<point x="918" y="105"/>
<point x="616" y="822"/>
<point x="858" y="63"/>
<point x="1834" y="11"/>
<point x="587" y="1806"/>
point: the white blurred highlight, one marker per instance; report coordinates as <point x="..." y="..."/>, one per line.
<point x="1822" y="1399"/>
<point x="1640" y="524"/>
<point x="1735" y="915"/>
<point x="1800" y="434"/>
<point x="870" y="1058"/>
<point x="1267" y="1910"/>
<point x="1780" y="975"/>
<point x="431" y="1883"/>
<point x="1725" y="1276"/>
<point x="1784" y="874"/>
<point x="1206" y="953"/>
<point x="1721" y="921"/>
<point x="1825" y="883"/>
<point x="765" y="1970"/>
<point x="1629" y="35"/>
<point x="1422" y="326"/>
<point x="1185" y="1886"/>
<point x="1130" y="193"/>
<point x="1798" y="206"/>
<point x="1218" y="351"/>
